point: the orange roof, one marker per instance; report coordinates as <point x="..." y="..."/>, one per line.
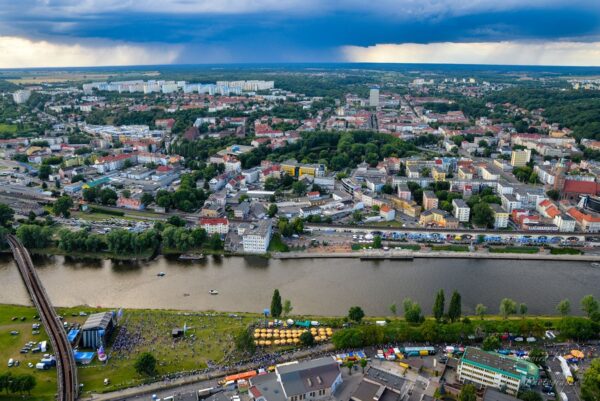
<point x="580" y="187"/>
<point x="213" y="221"/>
<point x="580" y="216"/>
<point x="385" y="208"/>
<point x="552" y="211"/>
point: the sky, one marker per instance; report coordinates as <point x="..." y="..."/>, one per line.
<point x="57" y="33"/>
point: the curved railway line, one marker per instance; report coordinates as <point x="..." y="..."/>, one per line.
<point x="65" y="361"/>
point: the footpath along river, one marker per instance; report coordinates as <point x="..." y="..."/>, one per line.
<point x="314" y="286"/>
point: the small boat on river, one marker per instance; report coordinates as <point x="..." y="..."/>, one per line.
<point x="213" y="292"/>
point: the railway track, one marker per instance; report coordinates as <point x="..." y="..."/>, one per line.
<point x="65" y="360"/>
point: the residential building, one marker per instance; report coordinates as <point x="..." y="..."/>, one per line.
<point x="257" y="237"/>
<point x="430" y="201"/>
<point x="587" y="221"/>
<point x="408" y="207"/>
<point x="462" y="211"/>
<point x="510" y="202"/>
<point x="130" y="203"/>
<point x="565" y="223"/>
<point x="520" y="158"/>
<point x="438" y="174"/>
<point x="438" y="218"/>
<point x="317" y="379"/>
<point x="498" y="371"/>
<point x="215" y="225"/>
<point x="387" y="213"/>
<point x="295" y="169"/>
<point x="501" y="216"/>
<point x="404" y="192"/>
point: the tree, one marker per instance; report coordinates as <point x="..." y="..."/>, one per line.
<point x="377" y="242"/>
<point x="564" y="307"/>
<point x="28" y="383"/>
<point x="299" y="188"/>
<point x="491" y="343"/>
<point x="306" y="338"/>
<point x="553" y="194"/>
<point x="6" y="214"/>
<point x="480" y="310"/>
<point x="145" y="364"/>
<point x="507" y="307"/>
<point x="44" y="171"/>
<point x="412" y="311"/>
<point x="276" y="307"/>
<point x="538" y="356"/>
<point x="455" y="307"/>
<point x="393" y="309"/>
<point x="287" y="307"/>
<point x="147" y="199"/>
<point x="589" y="305"/>
<point x="356" y="314"/>
<point x="176" y="221"/>
<point x="350" y="365"/>
<point x="244" y="342"/>
<point x="590" y="387"/>
<point x="439" y="305"/>
<point x="5" y="379"/>
<point x="272" y="211"/>
<point x="467" y="393"/>
<point x="531" y="395"/>
<point x="523" y="309"/>
<point x="62" y="206"/>
<point x="482" y="215"/>
<point x="363" y="364"/>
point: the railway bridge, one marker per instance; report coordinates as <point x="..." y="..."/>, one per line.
<point x="65" y="360"/>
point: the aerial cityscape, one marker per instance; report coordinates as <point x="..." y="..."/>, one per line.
<point x="293" y="211"/>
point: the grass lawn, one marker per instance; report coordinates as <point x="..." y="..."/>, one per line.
<point x="209" y="339"/>
<point x="7" y="128"/>
<point x="277" y="245"/>
<point x="94" y="216"/>
<point x="392" y="223"/>
<point x="565" y="251"/>
<point x="515" y="249"/>
<point x="450" y="248"/>
<point x="412" y="247"/>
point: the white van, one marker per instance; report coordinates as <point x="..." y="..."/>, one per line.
<point x="11" y="363"/>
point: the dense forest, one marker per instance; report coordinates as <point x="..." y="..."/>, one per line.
<point x="578" y="110"/>
<point x="337" y="150"/>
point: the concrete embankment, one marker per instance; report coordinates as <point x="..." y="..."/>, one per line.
<point x="444" y="255"/>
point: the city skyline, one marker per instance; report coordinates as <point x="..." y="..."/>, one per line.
<point x="109" y="33"/>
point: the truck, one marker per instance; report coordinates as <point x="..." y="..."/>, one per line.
<point x="566" y="371"/>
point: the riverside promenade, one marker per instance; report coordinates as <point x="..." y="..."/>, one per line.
<point x="409" y="255"/>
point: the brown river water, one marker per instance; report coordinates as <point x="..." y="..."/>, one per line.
<point x="314" y="286"/>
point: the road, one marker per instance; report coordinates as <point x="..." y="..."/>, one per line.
<point x="65" y="361"/>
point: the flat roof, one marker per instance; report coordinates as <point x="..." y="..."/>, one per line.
<point x="503" y="364"/>
<point x="97" y="321"/>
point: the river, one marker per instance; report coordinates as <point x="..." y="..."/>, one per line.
<point x="314" y="286"/>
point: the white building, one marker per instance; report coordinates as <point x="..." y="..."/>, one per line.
<point x="461" y="210"/>
<point x="215" y="225"/>
<point x="257" y="237"/>
<point x="21" y="96"/>
<point x="497" y="371"/>
<point x="500" y="216"/>
<point x="510" y="202"/>
<point x="374" y="97"/>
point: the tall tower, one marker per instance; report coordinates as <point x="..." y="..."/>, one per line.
<point x="374" y="97"/>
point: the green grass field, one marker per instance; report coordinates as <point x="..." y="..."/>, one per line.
<point x="7" y="128"/>
<point x="209" y="338"/>
<point x="450" y="248"/>
<point x="516" y="249"/>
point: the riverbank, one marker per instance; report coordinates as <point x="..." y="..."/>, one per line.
<point x="409" y="255"/>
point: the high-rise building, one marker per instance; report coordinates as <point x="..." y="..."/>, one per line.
<point x="520" y="158"/>
<point x="21" y="96"/>
<point x="374" y="97"/>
